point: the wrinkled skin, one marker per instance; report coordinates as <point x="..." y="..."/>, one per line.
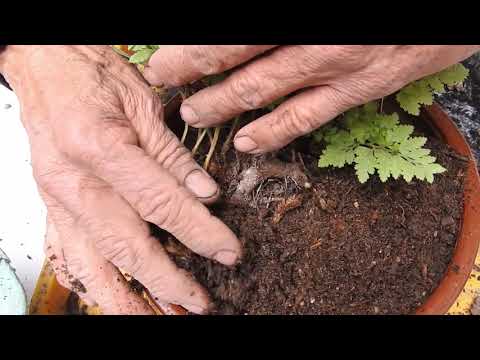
<point x="329" y="80"/>
<point x="105" y="163"/>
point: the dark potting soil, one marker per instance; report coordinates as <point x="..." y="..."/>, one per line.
<point x="316" y="241"/>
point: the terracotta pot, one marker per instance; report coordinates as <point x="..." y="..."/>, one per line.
<point x="466" y="249"/>
<point x="458" y="272"/>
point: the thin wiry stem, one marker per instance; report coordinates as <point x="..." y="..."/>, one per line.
<point x="185" y="132"/>
<point x="228" y="140"/>
<point x="201" y="134"/>
<point x="213" y="145"/>
<point x="209" y="135"/>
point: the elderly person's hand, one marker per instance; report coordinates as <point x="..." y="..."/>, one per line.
<point x="329" y="80"/>
<point x="105" y="163"/>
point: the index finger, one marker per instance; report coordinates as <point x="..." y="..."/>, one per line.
<point x="175" y="65"/>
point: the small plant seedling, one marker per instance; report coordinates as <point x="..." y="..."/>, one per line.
<point x="376" y="142"/>
<point x="420" y="92"/>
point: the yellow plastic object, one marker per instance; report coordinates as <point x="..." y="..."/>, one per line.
<point x="49" y="297"/>
<point x="470" y="292"/>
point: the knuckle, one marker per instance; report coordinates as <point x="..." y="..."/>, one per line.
<point x="161" y="208"/>
<point x="301" y="62"/>
<point x="158" y="285"/>
<point x="346" y="56"/>
<point x="117" y="250"/>
<point x="245" y="91"/>
<point x="171" y="154"/>
<point x="350" y="93"/>
<point x="78" y="274"/>
<point x="205" y="60"/>
<point x="140" y="102"/>
<point x="293" y="122"/>
<point x="162" y="283"/>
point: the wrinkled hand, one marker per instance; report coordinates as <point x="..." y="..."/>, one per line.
<point x="105" y="163"/>
<point x="329" y="79"/>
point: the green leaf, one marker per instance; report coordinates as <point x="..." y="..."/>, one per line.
<point x="341" y="138"/>
<point x="365" y="163"/>
<point x="426" y="172"/>
<point x="408" y="102"/>
<point x="420" y="92"/>
<point x="137" y="47"/>
<point x="141" y="56"/>
<point x="454" y="75"/>
<point x="386" y="121"/>
<point x="359" y="130"/>
<point x="408" y="171"/>
<point x="435" y="83"/>
<point x="325" y="133"/>
<point x="399" y="134"/>
<point x="142" y="53"/>
<point x="411" y="145"/>
<point x="377" y="143"/>
<point x="383" y="158"/>
<point x="336" y="155"/>
<point x="370" y="109"/>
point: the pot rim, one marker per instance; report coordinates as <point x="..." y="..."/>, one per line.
<point x="466" y="248"/>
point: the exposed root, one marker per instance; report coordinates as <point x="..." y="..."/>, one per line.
<point x="200" y="135"/>
<point x="185" y="132"/>
<point x="263" y="170"/>
<point x="286" y="205"/>
<point x="228" y="140"/>
<point x="213" y="145"/>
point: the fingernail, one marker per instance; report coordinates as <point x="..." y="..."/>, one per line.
<point x="245" y="144"/>
<point x="189" y="115"/>
<point x="201" y="184"/>
<point x="226" y="257"/>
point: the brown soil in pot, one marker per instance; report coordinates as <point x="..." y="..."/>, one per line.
<point x="318" y="242"/>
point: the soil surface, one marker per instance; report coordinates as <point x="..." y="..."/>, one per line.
<point x="318" y="242"/>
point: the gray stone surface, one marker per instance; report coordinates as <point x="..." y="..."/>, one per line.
<point x="463" y="104"/>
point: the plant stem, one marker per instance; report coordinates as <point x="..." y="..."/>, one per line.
<point x="228" y="140"/>
<point x="201" y="134"/>
<point x="185" y="132"/>
<point x="213" y="145"/>
<point x="209" y="135"/>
